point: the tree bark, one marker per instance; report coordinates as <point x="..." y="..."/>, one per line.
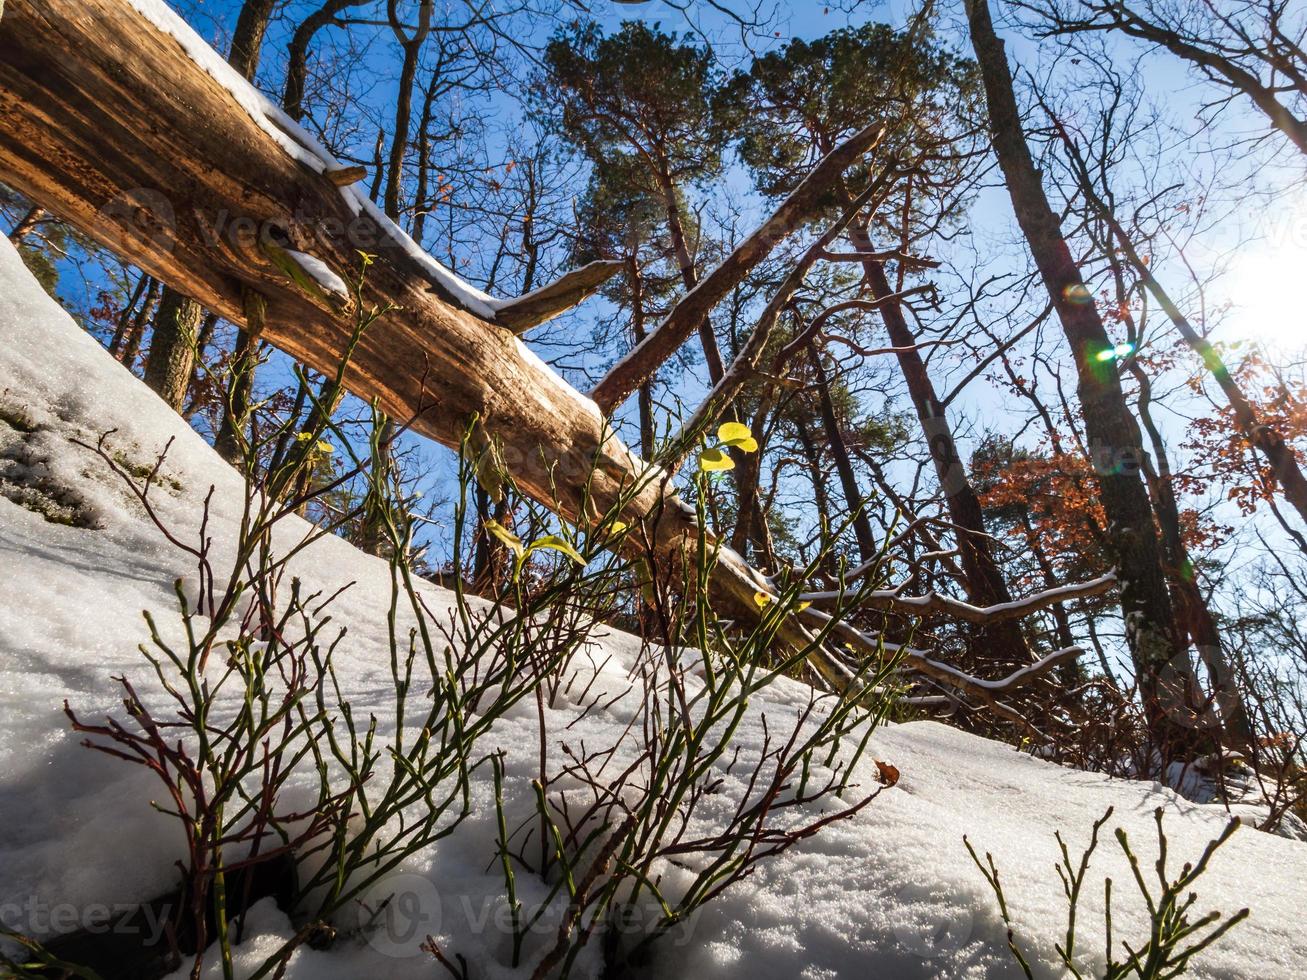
<point x="172" y="348"/>
<point x="1162" y="666"/>
<point x="91" y="134"/>
<point x="26" y="223"/>
<point x="819" y="496"/>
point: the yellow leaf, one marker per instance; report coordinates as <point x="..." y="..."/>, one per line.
<point x="711" y="460"/>
<point x="617" y="527"/>
<point x="490" y="467"/>
<point x="804" y="605"/>
<point x="506" y="536"/>
<point x="762" y="599"/>
<point x="552" y="542"/>
<point x="325" y="447"/>
<point x="737" y="436"/>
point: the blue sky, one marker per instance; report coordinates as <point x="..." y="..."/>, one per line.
<point x="1263" y="280"/>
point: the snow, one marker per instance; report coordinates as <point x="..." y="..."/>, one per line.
<point x="465" y="293"/>
<point x="303" y="147"/>
<point x="587" y="405"/>
<point x="891" y="893"/>
<point x="998" y="609"/>
<point x="320" y="271"/>
<point x="261" y="110"/>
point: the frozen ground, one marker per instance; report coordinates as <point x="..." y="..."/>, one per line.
<point x="889" y="894"/>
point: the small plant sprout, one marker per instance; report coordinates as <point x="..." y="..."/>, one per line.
<point x="1173" y="938"/>
<point x="523" y="551"/>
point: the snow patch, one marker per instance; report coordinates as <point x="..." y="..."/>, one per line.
<point x="890" y="893"/>
<point x="320" y="271"/>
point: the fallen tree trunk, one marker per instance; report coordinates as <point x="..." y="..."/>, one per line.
<point x="112" y="124"/>
<point x="123" y="127"/>
<point x="121" y="121"/>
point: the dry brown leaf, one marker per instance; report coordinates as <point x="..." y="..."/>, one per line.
<point x="889" y="775"/>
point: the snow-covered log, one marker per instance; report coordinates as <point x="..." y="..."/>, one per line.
<point x="118" y="118"/>
<point x="121" y="121"/>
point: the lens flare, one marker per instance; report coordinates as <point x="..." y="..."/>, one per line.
<point x="1118" y="353"/>
<point x="1078" y="293"/>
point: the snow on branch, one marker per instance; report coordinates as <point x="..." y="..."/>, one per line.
<point x="916" y="661"/>
<point x="301" y="145"/>
<point x="890" y="600"/>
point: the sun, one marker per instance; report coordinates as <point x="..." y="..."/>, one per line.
<point x="1267" y="285"/>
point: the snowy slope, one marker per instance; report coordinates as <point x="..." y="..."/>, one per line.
<point x="890" y="894"/>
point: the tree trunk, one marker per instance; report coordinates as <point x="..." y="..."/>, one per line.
<point x="645" y="393"/>
<point x="712" y="354"/>
<point x="666" y="339"/>
<point x="1193" y="615"/>
<point x="750" y="517"/>
<point x="135" y="333"/>
<point x="1049" y="577"/>
<point x="172" y="348"/>
<point x="371" y="538"/>
<point x="843" y="465"/>
<point x="240" y="390"/>
<point x="1279" y="455"/>
<point x="985" y="584"/>
<point x="818" y="477"/>
<point x="427" y="358"/>
<point x="247" y="40"/>
<point x="246" y="46"/>
<point x="125" y="317"/>
<point x="297" y="55"/>
<point x="1162" y="667"/>
<point x="412" y="47"/>
<point x="207" y="327"/>
<point x="26" y="223"/>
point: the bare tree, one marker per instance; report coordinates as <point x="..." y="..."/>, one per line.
<point x="1253" y="48"/>
<point x="1113" y="436"/>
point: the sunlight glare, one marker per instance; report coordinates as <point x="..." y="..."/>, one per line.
<point x="1268" y="285"/>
